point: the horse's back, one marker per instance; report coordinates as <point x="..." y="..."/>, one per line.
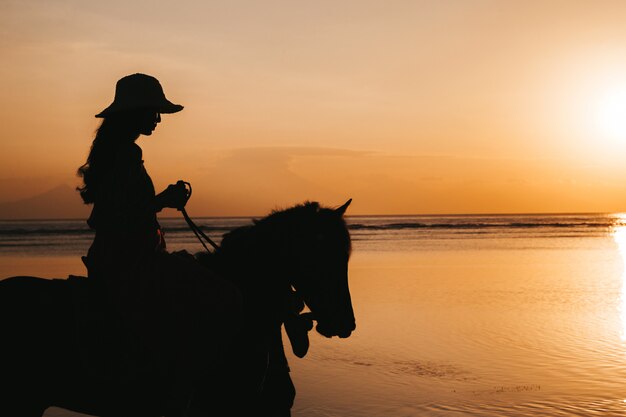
<point x="32" y="308"/>
<point x="63" y="344"/>
<point x="35" y="317"/>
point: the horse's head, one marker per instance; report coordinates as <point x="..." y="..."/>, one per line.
<point x="321" y="248"/>
<point x="307" y="245"/>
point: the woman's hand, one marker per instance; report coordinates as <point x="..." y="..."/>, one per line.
<point x="174" y="196"/>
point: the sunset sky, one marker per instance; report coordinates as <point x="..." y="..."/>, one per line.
<point x="405" y="106"/>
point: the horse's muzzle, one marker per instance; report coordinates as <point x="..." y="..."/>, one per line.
<point x="343" y="329"/>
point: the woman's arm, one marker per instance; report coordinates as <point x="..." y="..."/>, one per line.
<point x="174" y="196"/>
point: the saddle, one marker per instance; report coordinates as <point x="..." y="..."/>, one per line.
<point x="105" y="345"/>
<point x="181" y="316"/>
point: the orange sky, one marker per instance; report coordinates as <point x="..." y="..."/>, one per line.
<point x="405" y="106"/>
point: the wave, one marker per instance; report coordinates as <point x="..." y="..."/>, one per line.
<point x="54" y="230"/>
<point x="89" y="232"/>
<point x="43" y="231"/>
<point x="473" y="226"/>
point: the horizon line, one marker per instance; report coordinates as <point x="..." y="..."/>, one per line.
<point x="599" y="213"/>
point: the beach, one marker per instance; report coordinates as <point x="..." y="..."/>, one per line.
<point x="475" y="148"/>
<point x="489" y="316"/>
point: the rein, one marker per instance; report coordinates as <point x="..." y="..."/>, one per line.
<point x="198" y="232"/>
<point x="194" y="227"/>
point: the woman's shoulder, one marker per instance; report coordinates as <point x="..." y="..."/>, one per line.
<point x="130" y="153"/>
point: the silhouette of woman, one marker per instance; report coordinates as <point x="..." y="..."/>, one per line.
<point x="166" y="302"/>
<point x="116" y="182"/>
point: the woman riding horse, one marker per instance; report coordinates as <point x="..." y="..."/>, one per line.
<point x="144" y="287"/>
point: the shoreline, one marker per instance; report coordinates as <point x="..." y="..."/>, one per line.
<point x="42" y="266"/>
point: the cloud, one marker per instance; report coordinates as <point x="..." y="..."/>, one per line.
<point x="255" y="180"/>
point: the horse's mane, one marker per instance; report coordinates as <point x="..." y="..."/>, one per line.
<point x="270" y="231"/>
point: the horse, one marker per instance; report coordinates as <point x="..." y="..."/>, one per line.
<point x="278" y="264"/>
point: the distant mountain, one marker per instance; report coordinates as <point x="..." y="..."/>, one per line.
<point x="61" y="202"/>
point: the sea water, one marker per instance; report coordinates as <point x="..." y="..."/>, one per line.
<point x="456" y="315"/>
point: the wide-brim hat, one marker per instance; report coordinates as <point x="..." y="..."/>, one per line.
<point x="139" y="91"/>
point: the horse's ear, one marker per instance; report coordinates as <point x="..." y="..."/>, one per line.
<point x="341" y="210"/>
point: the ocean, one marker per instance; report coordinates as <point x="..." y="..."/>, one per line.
<point x="481" y="315"/>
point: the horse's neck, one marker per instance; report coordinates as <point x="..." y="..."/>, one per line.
<point x="260" y="267"/>
<point x="266" y="301"/>
<point x="262" y="285"/>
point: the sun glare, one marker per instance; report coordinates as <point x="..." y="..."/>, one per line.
<point x="610" y="117"/>
<point x="619" y="235"/>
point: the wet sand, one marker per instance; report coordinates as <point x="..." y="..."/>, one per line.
<point x="41" y="266"/>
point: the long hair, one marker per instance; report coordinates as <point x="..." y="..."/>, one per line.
<point x="115" y="130"/>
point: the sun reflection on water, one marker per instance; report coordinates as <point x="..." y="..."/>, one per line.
<point x="619" y="235"/>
